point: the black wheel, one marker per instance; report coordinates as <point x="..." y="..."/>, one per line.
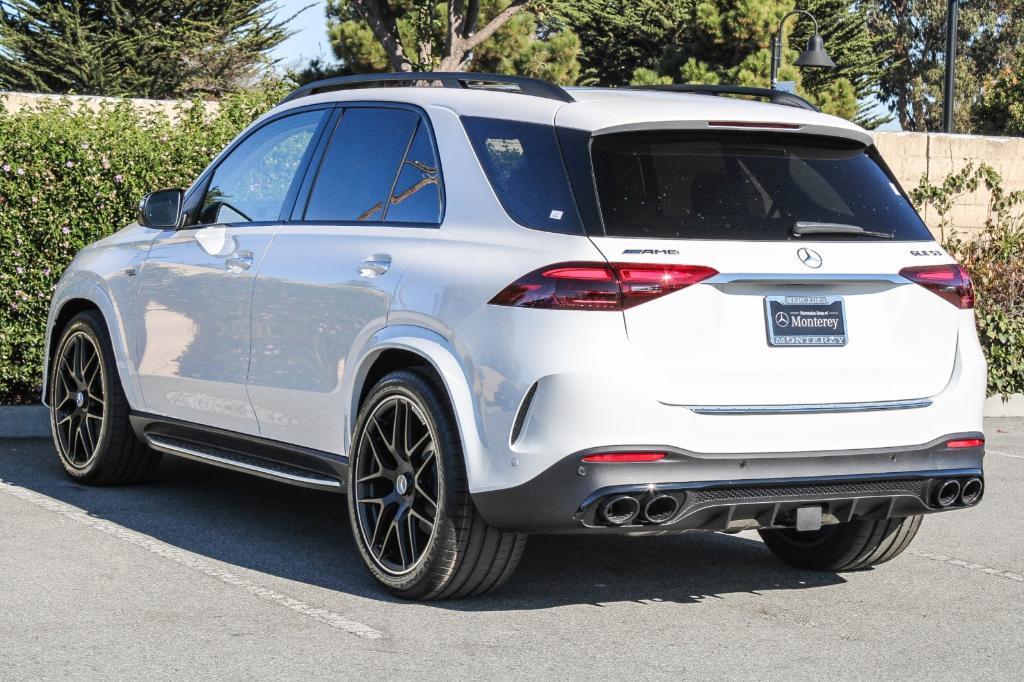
<point x="89" y="412"/>
<point x="415" y="525"/>
<point x="843" y="547"/>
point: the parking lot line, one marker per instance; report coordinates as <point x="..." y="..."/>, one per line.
<point x="183" y="558"/>
<point x="971" y="566"/>
<point x="1003" y="454"/>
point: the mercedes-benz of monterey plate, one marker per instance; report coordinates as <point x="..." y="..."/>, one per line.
<point x="805" y="320"/>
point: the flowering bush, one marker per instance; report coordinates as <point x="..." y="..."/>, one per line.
<point x="69" y="176"/>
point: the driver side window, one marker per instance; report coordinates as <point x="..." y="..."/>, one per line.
<point x="252" y="183"/>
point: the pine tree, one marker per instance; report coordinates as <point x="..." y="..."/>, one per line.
<point x="724" y="41"/>
<point x="421" y="35"/>
<point x="143" y="48"/>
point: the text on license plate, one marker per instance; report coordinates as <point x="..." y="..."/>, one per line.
<point x="805" y="320"/>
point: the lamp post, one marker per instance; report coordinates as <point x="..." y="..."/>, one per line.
<point x="814" y="56"/>
<point x="952" y="18"/>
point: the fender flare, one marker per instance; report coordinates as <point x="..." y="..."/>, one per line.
<point x="442" y="356"/>
<point x="90" y="291"/>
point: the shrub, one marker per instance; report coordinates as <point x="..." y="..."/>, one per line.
<point x="69" y="176"/>
<point x="995" y="260"/>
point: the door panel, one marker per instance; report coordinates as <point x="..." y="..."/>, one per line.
<point x="320" y="293"/>
<point x="194" y="299"/>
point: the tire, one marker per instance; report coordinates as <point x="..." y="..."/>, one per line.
<point x="458" y="554"/>
<point x="89" y="411"/>
<point x="850" y="546"/>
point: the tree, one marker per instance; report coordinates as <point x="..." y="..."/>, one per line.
<point x="648" y="42"/>
<point x="420" y="35"/>
<point x="144" y="48"/>
<point x="912" y="36"/>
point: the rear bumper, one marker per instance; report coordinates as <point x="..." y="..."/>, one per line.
<point x="737" y="491"/>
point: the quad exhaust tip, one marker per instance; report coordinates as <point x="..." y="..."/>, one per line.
<point x="619" y="510"/>
<point x="971" y="491"/>
<point x="948" y="493"/>
<point x="660" y="509"/>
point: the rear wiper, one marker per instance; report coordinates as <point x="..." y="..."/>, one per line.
<point x="803" y="227"/>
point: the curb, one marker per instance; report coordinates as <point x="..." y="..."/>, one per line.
<point x="996" y="407"/>
<point x="24" y="421"/>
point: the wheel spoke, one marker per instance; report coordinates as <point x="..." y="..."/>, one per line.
<point x="402" y="540"/>
<point x="427" y="459"/>
<point x="422" y="519"/>
<point x="425" y="495"/>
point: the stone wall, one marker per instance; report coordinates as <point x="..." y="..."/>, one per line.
<point x="914" y="155"/>
<point x="16" y="101"/>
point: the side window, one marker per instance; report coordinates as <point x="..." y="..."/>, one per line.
<point x="416" y="197"/>
<point x="378" y="166"/>
<point x="253" y="181"/>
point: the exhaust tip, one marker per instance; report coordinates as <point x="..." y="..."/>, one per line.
<point x="619" y="510"/>
<point x="660" y="509"/>
<point x="947" y="493"/>
<point x="971" y="491"/>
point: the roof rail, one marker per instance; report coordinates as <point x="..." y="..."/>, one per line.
<point x="774" y="96"/>
<point x="449" y="79"/>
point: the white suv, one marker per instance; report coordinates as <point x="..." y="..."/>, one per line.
<point x="500" y="307"/>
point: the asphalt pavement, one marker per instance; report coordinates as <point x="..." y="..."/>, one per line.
<point x="207" y="573"/>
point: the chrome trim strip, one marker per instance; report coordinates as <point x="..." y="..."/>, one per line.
<point x="822" y="408"/>
<point x="311" y="481"/>
<point x="797" y="277"/>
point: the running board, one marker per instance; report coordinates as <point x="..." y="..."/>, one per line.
<point x="236" y="461"/>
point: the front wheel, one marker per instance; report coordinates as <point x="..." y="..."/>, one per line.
<point x="89" y="411"/>
<point x="416" y="528"/>
<point x="843" y="547"/>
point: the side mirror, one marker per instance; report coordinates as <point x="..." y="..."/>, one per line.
<point x="161" y="209"/>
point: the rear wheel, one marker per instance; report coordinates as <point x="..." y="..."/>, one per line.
<point x="415" y="525"/>
<point x="845" y="546"/>
<point x="89" y="411"/>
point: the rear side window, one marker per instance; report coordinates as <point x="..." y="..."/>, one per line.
<point x="744" y="186"/>
<point x="379" y="166"/>
<point x="524" y="166"/>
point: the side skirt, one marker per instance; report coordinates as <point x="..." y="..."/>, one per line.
<point x="253" y="455"/>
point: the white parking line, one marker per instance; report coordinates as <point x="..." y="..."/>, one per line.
<point x="1003" y="454"/>
<point x="183" y="558"/>
<point x="960" y="563"/>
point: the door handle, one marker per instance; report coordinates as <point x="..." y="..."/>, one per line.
<point x="240" y="262"/>
<point x="374" y="266"/>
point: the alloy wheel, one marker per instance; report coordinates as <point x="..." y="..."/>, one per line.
<point x="397" y="485"/>
<point x="79" y="400"/>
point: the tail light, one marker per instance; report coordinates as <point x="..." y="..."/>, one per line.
<point x="599" y="286"/>
<point x="951" y="282"/>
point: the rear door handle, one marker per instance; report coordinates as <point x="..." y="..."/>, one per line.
<point x="374" y="266"/>
<point x="240" y="262"/>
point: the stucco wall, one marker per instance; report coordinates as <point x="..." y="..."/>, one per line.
<point x="16" y="101"/>
<point x="913" y="155"/>
<point x="910" y="155"/>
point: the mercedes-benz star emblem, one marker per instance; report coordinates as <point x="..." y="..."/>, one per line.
<point x="402" y="484"/>
<point x="811" y="259"/>
<point x="781" y="319"/>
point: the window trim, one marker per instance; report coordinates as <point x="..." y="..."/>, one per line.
<point x="306" y="190"/>
<point x="202" y="183"/>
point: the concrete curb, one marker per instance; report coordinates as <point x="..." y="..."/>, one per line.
<point x="24" y="421"/>
<point x="1014" y="407"/>
<point x="33" y="421"/>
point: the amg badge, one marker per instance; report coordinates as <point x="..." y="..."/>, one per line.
<point x="653" y="252"/>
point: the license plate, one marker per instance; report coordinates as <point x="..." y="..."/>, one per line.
<point x="805" y="320"/>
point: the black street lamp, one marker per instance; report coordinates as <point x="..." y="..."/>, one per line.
<point x="814" y="56"/>
<point x="952" y="17"/>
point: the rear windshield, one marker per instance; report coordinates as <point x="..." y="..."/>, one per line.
<point x="744" y="186"/>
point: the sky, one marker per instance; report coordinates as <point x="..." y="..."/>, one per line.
<point x="310" y="39"/>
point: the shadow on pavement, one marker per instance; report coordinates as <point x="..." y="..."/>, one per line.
<point x="304" y="535"/>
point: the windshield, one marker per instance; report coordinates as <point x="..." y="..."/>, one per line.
<point x="744" y="186"/>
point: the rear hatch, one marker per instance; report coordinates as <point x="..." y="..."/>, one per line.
<point x="808" y="236"/>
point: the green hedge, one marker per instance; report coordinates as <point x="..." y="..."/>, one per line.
<point x="69" y="176"/>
